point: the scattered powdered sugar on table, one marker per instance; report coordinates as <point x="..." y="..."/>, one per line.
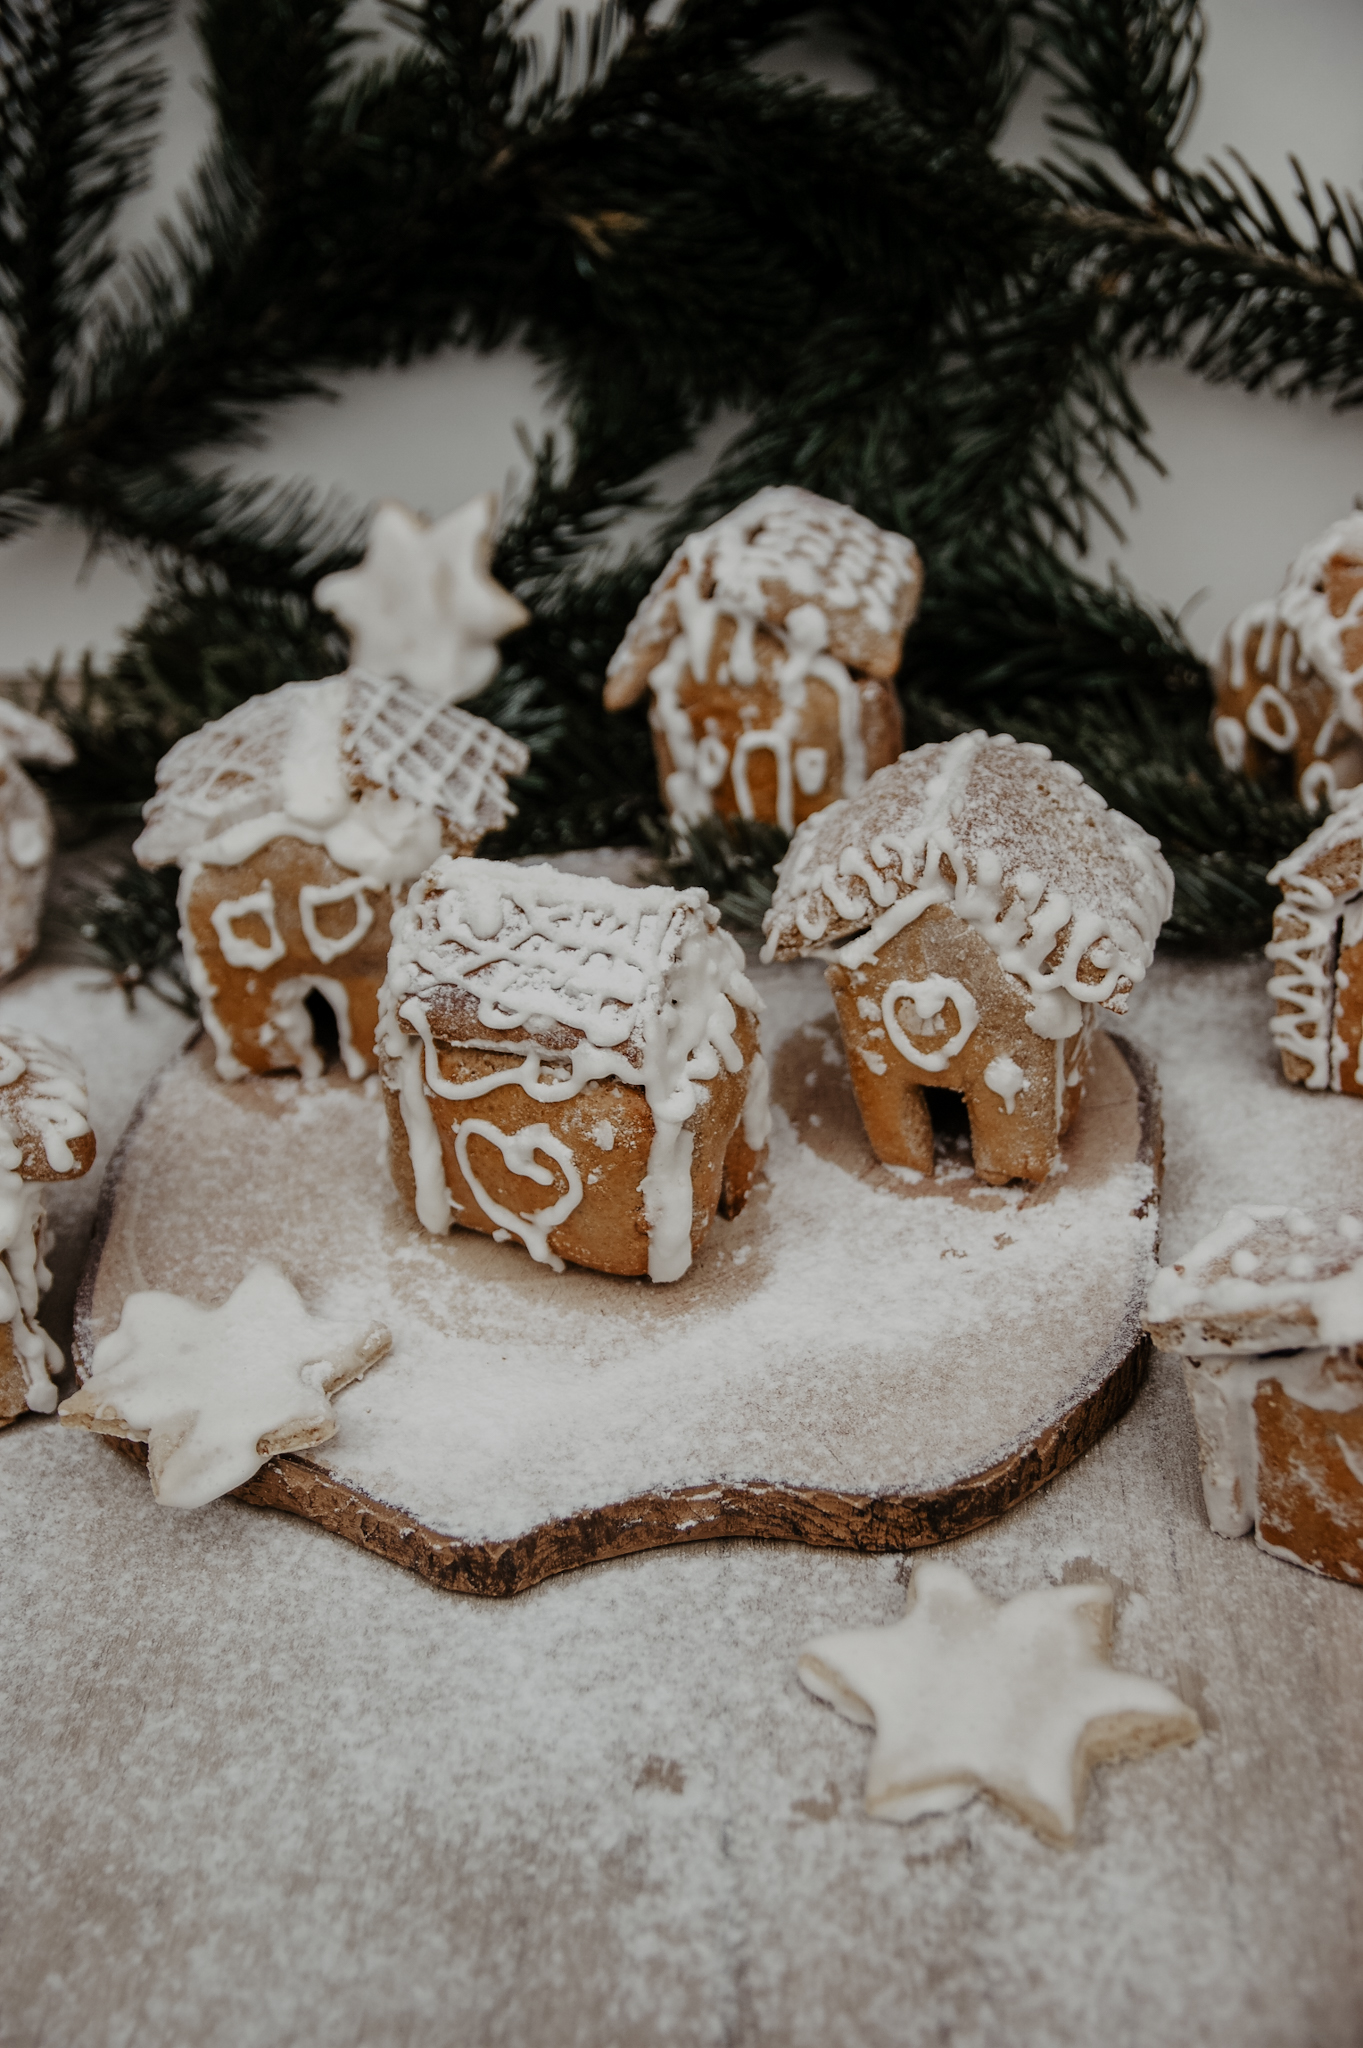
<point x="277" y="1790"/>
<point x="846" y="1332"/>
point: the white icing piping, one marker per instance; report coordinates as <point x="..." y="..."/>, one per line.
<point x="518" y="1149"/>
<point x="12" y="1065"/>
<point x="1222" y="1396"/>
<point x="1006" y="1079"/>
<point x="1023" y="935"/>
<point x="229" y="1067"/>
<point x="1306" y="962"/>
<point x="929" y="997"/>
<point x="312" y="897"/>
<point x="55" y="1099"/>
<point x="242" y="952"/>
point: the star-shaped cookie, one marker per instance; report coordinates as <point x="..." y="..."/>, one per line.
<point x="422" y="605"/>
<point x="214" y="1392"/>
<point x="1017" y="1698"/>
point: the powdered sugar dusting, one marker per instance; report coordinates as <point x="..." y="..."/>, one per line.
<point x="1069" y="894"/>
<point x="513" y="1396"/>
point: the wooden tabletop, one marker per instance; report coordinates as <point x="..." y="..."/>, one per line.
<point x="262" y="1788"/>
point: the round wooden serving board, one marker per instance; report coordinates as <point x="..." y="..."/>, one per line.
<point x="857" y="1362"/>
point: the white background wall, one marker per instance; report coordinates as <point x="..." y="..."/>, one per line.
<point x="1250" y="479"/>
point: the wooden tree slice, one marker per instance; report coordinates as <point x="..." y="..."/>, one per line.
<point x="859" y="1361"/>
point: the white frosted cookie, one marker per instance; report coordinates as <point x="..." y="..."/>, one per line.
<point x="214" y="1392"/>
<point x="1016" y="1698"/>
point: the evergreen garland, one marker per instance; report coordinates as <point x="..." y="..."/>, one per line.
<point x="909" y="323"/>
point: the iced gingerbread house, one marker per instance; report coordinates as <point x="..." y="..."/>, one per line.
<point x="45" y="1136"/>
<point x="980" y="905"/>
<point x="1289" y="673"/>
<point x="1317" y="951"/>
<point x="571" y="1064"/>
<point x="297" y="821"/>
<point x="25" y="829"/>
<point x="1267" y="1312"/>
<point x="770" y="644"/>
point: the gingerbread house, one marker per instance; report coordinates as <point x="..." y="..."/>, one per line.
<point x="25" y="829"/>
<point x="571" y="1064"/>
<point x="1267" y="1312"/>
<point x="297" y="821"/>
<point x="45" y="1136"/>
<point x="980" y="905"/>
<point x="1317" y="951"/>
<point x="1289" y="674"/>
<point x="770" y="644"/>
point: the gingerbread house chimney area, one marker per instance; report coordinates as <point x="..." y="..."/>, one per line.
<point x="1267" y="1311"/>
<point x="1317" y="950"/>
<point x="989" y="904"/>
<point x="297" y="820"/>
<point x="770" y="644"/>
<point x="1289" y="673"/>
<point x="45" y="1136"/>
<point x="571" y="1064"/>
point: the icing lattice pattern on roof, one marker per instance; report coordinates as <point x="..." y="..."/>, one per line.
<point x="435" y="755"/>
<point x="536" y="948"/>
<point x="1070" y="895"/>
<point x="388" y="736"/>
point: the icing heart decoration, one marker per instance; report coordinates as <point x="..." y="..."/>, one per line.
<point x="929" y="998"/>
<point x="518" y="1149"/>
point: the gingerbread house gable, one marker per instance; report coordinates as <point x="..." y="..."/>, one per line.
<point x="539" y="999"/>
<point x="1317" y="952"/>
<point x="769" y="643"/>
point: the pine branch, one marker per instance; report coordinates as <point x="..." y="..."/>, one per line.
<point x="1201" y="264"/>
<point x="78" y="95"/>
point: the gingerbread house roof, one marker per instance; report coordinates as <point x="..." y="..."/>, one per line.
<point x="44" y="1107"/>
<point x="1069" y="894"/>
<point x="1327" y="868"/>
<point x="1321" y="607"/>
<point x="497" y="954"/>
<point x="1266" y="1279"/>
<point x="388" y="735"/>
<point x="779" y="552"/>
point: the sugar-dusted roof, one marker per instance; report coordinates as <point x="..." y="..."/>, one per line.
<point x="1327" y="867"/>
<point x="500" y="953"/>
<point x="1266" y="1279"/>
<point x="780" y="550"/>
<point x="1070" y="895"/>
<point x="383" y="735"/>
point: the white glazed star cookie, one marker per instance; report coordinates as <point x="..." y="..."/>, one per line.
<point x="422" y="604"/>
<point x="214" y="1392"/>
<point x="1017" y="1698"/>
